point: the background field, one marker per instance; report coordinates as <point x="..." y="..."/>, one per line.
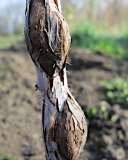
<point x="98" y="78"/>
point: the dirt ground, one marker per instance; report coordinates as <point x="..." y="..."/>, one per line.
<point x="20" y="108"/>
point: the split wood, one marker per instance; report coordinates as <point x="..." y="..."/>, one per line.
<point x="63" y="124"/>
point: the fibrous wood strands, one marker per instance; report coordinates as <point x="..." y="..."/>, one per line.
<point x="63" y="124"/>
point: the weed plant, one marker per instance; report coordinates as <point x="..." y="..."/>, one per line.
<point x="102" y="112"/>
<point x="113" y="42"/>
<point x="5" y="157"/>
<point x="8" y="40"/>
<point x="116" y="90"/>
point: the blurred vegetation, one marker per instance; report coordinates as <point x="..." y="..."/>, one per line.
<point x="98" y="25"/>
<point x="4" y="68"/>
<point x="10" y="39"/>
<point x="101" y="112"/>
<point x="88" y="35"/>
<point x="116" y="90"/>
<point x="5" y="157"/>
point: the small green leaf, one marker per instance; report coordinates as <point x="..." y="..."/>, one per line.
<point x="114" y="118"/>
<point x="110" y="94"/>
<point x="105" y="115"/>
<point x="94" y="110"/>
<point x="5" y="157"/>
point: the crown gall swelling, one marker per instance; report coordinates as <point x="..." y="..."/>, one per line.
<point x="49" y="35"/>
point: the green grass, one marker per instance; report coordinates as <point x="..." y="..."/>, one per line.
<point x="102" y="112"/>
<point x="4" y="68"/>
<point x="8" y="40"/>
<point x="113" y="42"/>
<point x="5" y="157"/>
<point x="116" y="90"/>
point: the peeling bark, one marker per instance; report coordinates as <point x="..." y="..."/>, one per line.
<point x="64" y="128"/>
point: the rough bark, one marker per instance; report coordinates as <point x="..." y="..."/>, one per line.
<point x="64" y="128"/>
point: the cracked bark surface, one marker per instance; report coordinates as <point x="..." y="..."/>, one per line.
<point x="63" y="124"/>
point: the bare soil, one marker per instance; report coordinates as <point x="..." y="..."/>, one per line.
<point x="20" y="135"/>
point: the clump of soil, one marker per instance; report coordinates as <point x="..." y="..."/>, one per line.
<point x="20" y="135"/>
